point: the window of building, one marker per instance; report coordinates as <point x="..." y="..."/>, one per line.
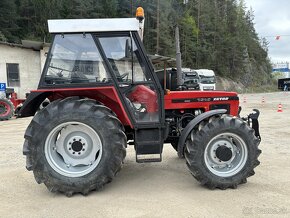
<point x="13" y="79"/>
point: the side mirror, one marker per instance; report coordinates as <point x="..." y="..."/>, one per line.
<point x="128" y="48"/>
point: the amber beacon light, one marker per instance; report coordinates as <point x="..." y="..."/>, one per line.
<point x="140" y="13"/>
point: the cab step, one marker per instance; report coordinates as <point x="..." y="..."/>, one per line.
<point x="148" y="158"/>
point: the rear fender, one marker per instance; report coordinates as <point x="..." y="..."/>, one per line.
<point x="190" y="126"/>
<point x="32" y="103"/>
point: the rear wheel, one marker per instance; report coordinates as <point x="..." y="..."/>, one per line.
<point x="6" y="109"/>
<point x="74" y="146"/>
<point x="223" y="153"/>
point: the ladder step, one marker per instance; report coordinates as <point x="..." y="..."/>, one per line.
<point x="147" y="158"/>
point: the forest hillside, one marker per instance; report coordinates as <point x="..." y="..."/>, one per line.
<point x="214" y="34"/>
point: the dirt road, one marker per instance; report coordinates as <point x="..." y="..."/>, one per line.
<point x="163" y="189"/>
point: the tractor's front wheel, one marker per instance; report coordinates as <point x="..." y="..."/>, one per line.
<point x="6" y="109"/>
<point x="74" y="146"/>
<point x="222" y="153"/>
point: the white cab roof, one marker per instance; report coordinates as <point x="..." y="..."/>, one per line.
<point x="205" y="72"/>
<point x="93" y="25"/>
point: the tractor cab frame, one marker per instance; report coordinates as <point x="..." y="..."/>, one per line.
<point x="111" y="67"/>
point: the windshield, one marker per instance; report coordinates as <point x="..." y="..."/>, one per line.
<point x="207" y="79"/>
<point x="74" y="58"/>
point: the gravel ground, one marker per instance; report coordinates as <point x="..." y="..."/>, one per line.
<point x="163" y="189"/>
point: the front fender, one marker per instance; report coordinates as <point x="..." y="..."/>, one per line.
<point x="186" y="131"/>
<point x="32" y="103"/>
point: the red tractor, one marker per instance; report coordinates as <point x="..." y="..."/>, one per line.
<point x="104" y="95"/>
<point x="9" y="104"/>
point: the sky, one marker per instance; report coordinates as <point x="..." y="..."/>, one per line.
<point x="272" y="18"/>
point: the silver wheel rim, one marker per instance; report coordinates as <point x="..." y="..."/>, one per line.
<point x="233" y="158"/>
<point x="73" y="149"/>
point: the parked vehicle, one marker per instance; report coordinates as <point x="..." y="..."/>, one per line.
<point x="9" y="104"/>
<point x="207" y="79"/>
<point x="284" y="84"/>
<point x="189" y="76"/>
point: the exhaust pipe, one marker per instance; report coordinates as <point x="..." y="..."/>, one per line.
<point x="178" y="59"/>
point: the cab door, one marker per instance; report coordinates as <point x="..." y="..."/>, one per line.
<point x="138" y="87"/>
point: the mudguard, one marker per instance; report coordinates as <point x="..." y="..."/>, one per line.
<point x="32" y="103"/>
<point x="186" y="131"/>
<point x="253" y="118"/>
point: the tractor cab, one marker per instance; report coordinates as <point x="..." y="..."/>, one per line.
<point x="106" y="54"/>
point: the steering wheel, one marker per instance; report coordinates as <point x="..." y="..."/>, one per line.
<point x="125" y="75"/>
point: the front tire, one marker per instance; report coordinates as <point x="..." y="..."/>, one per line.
<point x="74" y="146"/>
<point x="6" y="109"/>
<point x="222" y="153"/>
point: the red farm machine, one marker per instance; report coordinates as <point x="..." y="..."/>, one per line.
<point x="104" y="95"/>
<point x="9" y="103"/>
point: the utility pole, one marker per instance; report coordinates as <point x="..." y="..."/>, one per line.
<point x="158" y="27"/>
<point x="197" y="38"/>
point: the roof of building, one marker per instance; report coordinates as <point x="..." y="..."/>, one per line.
<point x="92" y="25"/>
<point x="28" y="44"/>
<point x="158" y="59"/>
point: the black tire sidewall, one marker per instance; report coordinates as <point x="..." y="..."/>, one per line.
<point x="98" y="124"/>
<point x="211" y="130"/>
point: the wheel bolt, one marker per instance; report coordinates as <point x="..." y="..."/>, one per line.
<point x="68" y="165"/>
<point x="74" y="140"/>
<point x="80" y="140"/>
<point x="83" y="149"/>
<point x="84" y="144"/>
<point x="54" y="148"/>
<point x="69" y="149"/>
<point x="79" y="153"/>
<point x="69" y="143"/>
<point x="74" y="152"/>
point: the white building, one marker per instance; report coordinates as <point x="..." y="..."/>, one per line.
<point x="21" y="65"/>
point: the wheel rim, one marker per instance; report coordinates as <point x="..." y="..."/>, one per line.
<point x="73" y="149"/>
<point x="226" y="154"/>
<point x="4" y="108"/>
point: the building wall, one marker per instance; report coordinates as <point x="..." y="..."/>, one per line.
<point x="29" y="67"/>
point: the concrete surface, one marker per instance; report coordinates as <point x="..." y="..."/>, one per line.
<point x="163" y="189"/>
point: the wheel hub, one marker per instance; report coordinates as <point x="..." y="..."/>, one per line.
<point x="73" y="149"/>
<point x="3" y="109"/>
<point x="224" y="153"/>
<point x="77" y="145"/>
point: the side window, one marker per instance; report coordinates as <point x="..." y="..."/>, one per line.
<point x="137" y="87"/>
<point x="13" y="78"/>
<point x="75" y="59"/>
<point x="118" y="50"/>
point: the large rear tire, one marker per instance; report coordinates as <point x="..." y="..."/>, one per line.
<point x="222" y="153"/>
<point x="6" y="109"/>
<point x="74" y="146"/>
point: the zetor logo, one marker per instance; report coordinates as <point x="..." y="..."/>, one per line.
<point x="221" y="99"/>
